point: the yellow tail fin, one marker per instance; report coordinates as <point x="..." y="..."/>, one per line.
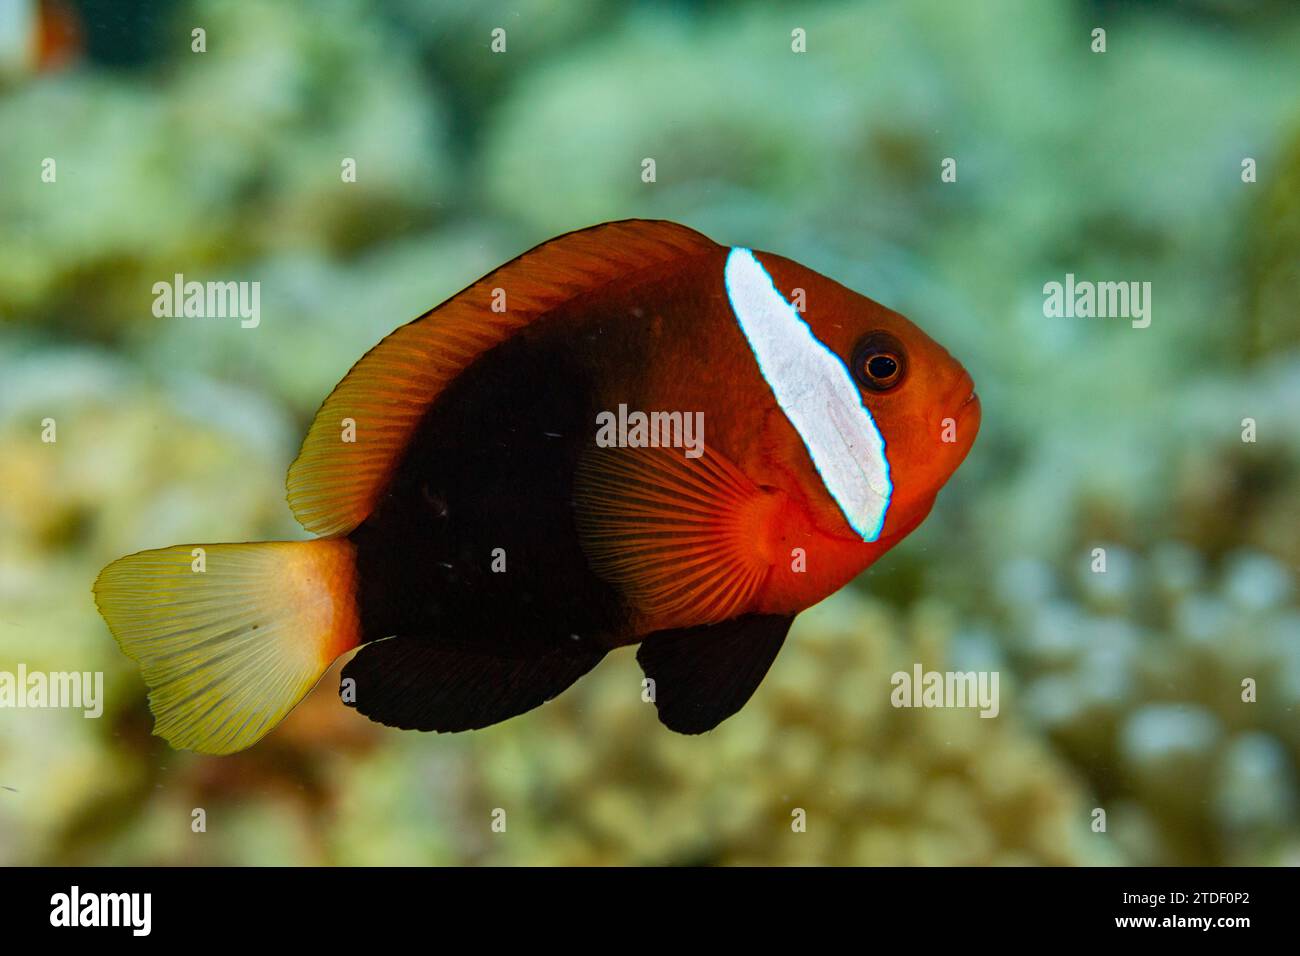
<point x="229" y="637"/>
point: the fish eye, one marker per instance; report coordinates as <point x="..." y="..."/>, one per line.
<point x="878" y="362"/>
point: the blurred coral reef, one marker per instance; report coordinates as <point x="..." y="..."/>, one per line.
<point x="1120" y="690"/>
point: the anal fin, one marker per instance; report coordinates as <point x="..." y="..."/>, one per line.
<point x="702" y="675"/>
<point x="420" y="684"/>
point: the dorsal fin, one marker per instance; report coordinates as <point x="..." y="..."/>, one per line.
<point x="333" y="484"/>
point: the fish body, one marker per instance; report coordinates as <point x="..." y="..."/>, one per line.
<point x="630" y="434"/>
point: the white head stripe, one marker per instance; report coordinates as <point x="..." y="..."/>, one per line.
<point x="815" y="390"/>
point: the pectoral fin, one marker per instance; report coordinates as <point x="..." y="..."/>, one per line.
<point x="675" y="535"/>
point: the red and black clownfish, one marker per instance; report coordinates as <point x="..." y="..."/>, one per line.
<point x="499" y="520"/>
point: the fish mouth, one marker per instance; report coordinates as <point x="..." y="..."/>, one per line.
<point x="966" y="387"/>
<point x="969" y="417"/>
<point x="968" y="409"/>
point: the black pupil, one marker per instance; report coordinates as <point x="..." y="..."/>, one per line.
<point x="881" y="366"/>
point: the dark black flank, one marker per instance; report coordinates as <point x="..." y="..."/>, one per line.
<point x="491" y="466"/>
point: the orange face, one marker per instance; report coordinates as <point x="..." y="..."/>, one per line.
<point x="924" y="403"/>
<point x="921" y="399"/>
<point x="815" y="392"/>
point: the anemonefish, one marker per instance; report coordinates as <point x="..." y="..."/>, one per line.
<point x="487" y="534"/>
